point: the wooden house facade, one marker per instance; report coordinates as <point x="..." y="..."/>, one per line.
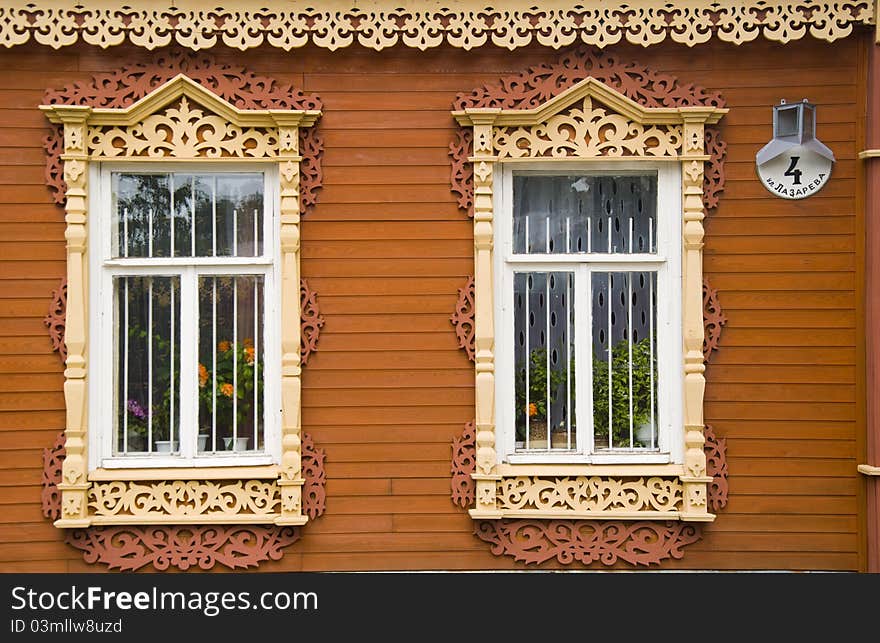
<point x="307" y="289"/>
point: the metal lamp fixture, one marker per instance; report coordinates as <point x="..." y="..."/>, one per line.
<point x="793" y="125"/>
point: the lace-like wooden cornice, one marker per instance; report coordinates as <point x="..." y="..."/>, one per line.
<point x="466" y="24"/>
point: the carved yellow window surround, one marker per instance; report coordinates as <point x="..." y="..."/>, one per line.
<point x="183" y="122"/>
<point x="590" y="121"/>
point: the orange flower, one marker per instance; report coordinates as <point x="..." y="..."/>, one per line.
<point x="203" y="376"/>
<point x="224" y="346"/>
<point x="227" y="389"/>
<point x="249" y="354"/>
<point x="248" y="343"/>
<point x="533" y="409"/>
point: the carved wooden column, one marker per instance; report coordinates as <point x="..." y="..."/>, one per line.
<point x="694" y="478"/>
<point x="74" y="485"/>
<point x="486" y="474"/>
<point x="291" y="479"/>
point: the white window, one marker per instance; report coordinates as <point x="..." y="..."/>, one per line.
<point x="588" y="313"/>
<point x="185" y="343"/>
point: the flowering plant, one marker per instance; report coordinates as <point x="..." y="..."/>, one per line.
<point x="233" y="379"/>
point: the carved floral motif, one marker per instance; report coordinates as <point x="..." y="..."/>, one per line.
<point x="313" y="494"/>
<point x="587" y="131"/>
<point x="182" y="131"/>
<point x="587" y="541"/>
<point x="589" y="494"/>
<point x="241" y="88"/>
<point x="50" y="496"/>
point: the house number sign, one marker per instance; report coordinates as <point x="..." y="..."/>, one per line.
<point x="796" y="173"/>
<point x="795" y="164"/>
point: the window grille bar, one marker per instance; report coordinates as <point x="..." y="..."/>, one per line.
<point x="150" y="365"/>
<point x="192" y="215"/>
<point x="589" y="237"/>
<point x="234" y="361"/>
<point x="214" y="363"/>
<point x="528" y="242"/>
<point x="171" y="210"/>
<point x="213" y="217"/>
<point x="610" y="380"/>
<point x="150" y="232"/>
<point x="125" y="230"/>
<point x="629" y="338"/>
<point x="549" y="413"/>
<point x="651" y="343"/>
<point x="528" y="354"/>
<point x="234" y="232"/>
<point x="256" y="362"/>
<point x="568" y="309"/>
<point x="610" y="249"/>
<point x="125" y="373"/>
<point x="547" y="236"/>
<point x="568" y="235"/>
<point x="171" y="370"/>
<point x="256" y="236"/>
<point x="650" y="235"/>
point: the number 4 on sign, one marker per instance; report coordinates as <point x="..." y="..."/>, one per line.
<point x="791" y="171"/>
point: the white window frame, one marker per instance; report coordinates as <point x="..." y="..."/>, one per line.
<point x="667" y="261"/>
<point x="102" y="325"/>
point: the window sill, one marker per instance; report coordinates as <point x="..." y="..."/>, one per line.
<point x="623" y="458"/>
<point x="249" y="472"/>
<point x="569" y="469"/>
<point x="177" y="465"/>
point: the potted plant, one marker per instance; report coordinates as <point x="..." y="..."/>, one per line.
<point x="233" y="380"/>
<point x="642" y="368"/>
<point x="536" y="406"/>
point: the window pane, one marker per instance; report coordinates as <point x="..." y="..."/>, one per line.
<point x="231" y="364"/>
<point x="154" y="215"/>
<point x="141" y="215"/>
<point x="585" y="214"/>
<point x="147" y="364"/>
<point x="624" y="360"/>
<point x="544" y="360"/>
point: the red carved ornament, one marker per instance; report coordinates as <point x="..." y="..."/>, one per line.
<point x="311" y="321"/>
<point x="713" y="320"/>
<point x="645" y="542"/>
<point x="716" y="466"/>
<point x="313" y="494"/>
<point x="537" y="85"/>
<point x="235" y="85"/>
<point x="55" y="320"/>
<point x="53" y="459"/>
<point x="464" y="449"/>
<point x="463" y="318"/>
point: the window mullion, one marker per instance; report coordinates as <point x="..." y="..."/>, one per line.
<point x="189" y="301"/>
<point x="584" y="358"/>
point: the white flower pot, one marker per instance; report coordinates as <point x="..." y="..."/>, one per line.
<point x="203" y="441"/>
<point x="165" y="446"/>
<point x="241" y="444"/>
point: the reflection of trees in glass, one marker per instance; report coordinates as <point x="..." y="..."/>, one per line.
<point x="226" y="209"/>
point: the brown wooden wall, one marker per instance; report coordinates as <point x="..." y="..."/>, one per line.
<point x="386" y="250"/>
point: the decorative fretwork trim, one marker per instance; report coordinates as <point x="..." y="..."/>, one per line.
<point x="588" y="541"/>
<point x="716" y="466"/>
<point x="467" y="24"/>
<point x="464" y="449"/>
<point x="128" y="548"/>
<point x="54" y="320"/>
<point x="593" y="495"/>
